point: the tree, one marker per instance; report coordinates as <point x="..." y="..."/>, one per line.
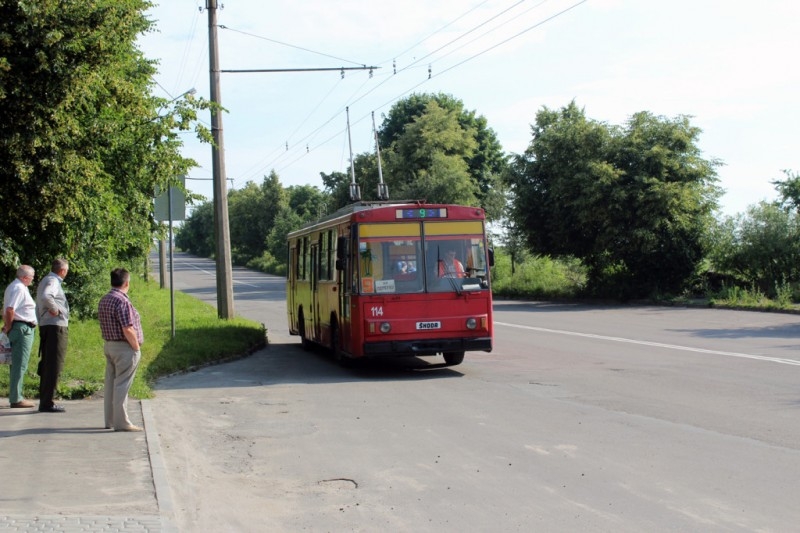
<point x="252" y="212"/>
<point x="337" y="184"/>
<point x="760" y="247"/>
<point x="304" y="203"/>
<point x="196" y="234"/>
<point x="429" y="159"/>
<point x="336" y="187"/>
<point x="789" y="189"/>
<point x="433" y="149"/>
<point x="286" y="221"/>
<point x="307" y="201"/>
<point x="632" y="202"/>
<point x="260" y="217"/>
<point x="84" y="143"/>
<point x="513" y="240"/>
<point x="476" y="144"/>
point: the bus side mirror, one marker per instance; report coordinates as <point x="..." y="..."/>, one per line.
<point x="341" y="253"/>
<point x="491" y="257"/>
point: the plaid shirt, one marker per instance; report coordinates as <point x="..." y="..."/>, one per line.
<point x="115" y="312"/>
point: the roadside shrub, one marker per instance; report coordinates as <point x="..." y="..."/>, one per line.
<point x="537" y="277"/>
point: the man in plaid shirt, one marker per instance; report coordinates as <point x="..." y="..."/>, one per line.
<point x="121" y="328"/>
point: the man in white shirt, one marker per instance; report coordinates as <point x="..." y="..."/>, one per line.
<point x="19" y="323"/>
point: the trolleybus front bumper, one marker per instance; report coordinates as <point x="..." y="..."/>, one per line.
<point x="426" y="347"/>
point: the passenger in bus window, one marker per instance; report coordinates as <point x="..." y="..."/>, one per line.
<point x="402" y="267"/>
<point x="449" y="266"/>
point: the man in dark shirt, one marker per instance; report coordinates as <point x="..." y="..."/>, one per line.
<point x="121" y="328"/>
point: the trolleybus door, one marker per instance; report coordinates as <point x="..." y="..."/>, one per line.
<point x="292" y="279"/>
<point x="344" y="267"/>
<point x="314" y="288"/>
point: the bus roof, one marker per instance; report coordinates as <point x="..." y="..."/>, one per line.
<point x="391" y="211"/>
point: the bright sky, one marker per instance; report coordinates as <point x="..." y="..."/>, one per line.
<point x="732" y="66"/>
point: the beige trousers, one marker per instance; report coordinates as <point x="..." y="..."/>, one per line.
<point x="121" y="363"/>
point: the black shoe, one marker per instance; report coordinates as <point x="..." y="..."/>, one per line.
<point x="52" y="409"/>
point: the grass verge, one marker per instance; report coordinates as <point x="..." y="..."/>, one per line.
<point x="200" y="338"/>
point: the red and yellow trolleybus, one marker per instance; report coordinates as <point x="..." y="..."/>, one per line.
<point x="392" y="279"/>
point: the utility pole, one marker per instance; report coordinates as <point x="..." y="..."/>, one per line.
<point x="222" y="233"/>
<point x="221" y="228"/>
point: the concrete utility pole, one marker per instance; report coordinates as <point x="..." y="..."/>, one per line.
<point x="222" y="232"/>
<point x="221" y="229"/>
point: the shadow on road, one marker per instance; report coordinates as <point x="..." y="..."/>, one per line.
<point x="286" y="363"/>
<point x="782" y="331"/>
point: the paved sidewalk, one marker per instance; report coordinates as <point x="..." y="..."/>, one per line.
<point x="65" y="472"/>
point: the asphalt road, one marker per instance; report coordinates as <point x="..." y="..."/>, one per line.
<point x="620" y="418"/>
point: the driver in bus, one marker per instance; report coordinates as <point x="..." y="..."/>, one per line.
<point x="449" y="266"/>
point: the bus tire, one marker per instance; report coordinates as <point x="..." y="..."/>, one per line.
<point x="304" y="342"/>
<point x="454" y="358"/>
<point x="338" y="354"/>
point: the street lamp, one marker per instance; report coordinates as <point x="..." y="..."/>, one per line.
<point x="190" y="92"/>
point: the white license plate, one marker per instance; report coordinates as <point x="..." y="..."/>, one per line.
<point x="429" y="325"/>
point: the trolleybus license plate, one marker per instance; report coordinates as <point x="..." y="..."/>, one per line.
<point x="429" y="325"/>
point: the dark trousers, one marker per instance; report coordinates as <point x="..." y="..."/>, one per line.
<point x="53" y="349"/>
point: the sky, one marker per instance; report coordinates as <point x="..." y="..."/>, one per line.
<point x="730" y="66"/>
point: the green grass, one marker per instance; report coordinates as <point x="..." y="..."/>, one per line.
<point x="753" y="298"/>
<point x="543" y="278"/>
<point x="200" y="338"/>
<point x="537" y="277"/>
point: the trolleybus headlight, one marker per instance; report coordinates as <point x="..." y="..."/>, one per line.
<point x="472" y="323"/>
<point x="386" y="327"/>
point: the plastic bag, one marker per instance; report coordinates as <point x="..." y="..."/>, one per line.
<point x="5" y="349"/>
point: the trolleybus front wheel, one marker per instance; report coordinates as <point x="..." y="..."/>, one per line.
<point x="304" y="342"/>
<point x="454" y="358"/>
<point x="338" y="354"/>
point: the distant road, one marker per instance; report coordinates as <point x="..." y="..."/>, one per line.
<point x="596" y="418"/>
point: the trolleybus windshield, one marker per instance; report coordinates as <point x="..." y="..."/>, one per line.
<point x="425" y="256"/>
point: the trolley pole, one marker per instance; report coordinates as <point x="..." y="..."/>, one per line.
<point x="221" y="227"/>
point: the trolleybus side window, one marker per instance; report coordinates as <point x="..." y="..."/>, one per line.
<point x="307" y="259"/>
<point x="329" y="255"/>
<point x="324" y="259"/>
<point x="293" y="264"/>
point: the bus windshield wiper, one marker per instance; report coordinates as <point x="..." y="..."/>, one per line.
<point x="453" y="284"/>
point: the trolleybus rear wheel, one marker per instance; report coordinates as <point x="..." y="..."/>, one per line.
<point x="454" y="358"/>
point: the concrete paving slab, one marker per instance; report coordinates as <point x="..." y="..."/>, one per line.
<point x="65" y="471"/>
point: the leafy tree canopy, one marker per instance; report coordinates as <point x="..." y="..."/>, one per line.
<point x="196" y="234"/>
<point x="760" y="247"/>
<point x="304" y="203"/>
<point x="632" y="202"/>
<point x="84" y="143"/>
<point x="337" y="184"/>
<point x="789" y="189"/>
<point x="433" y="149"/>
<point x="260" y="218"/>
<point x="252" y="211"/>
<point x="307" y="201"/>
<point x="433" y="131"/>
